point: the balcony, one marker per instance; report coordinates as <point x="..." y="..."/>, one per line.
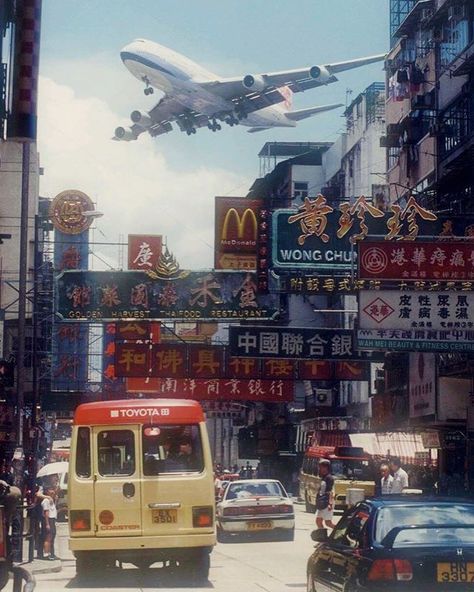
<point x="457" y="128"/>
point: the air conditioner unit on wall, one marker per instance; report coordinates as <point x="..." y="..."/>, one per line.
<point x="323" y="397"/>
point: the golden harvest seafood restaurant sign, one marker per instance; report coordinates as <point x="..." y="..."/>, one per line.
<point x="204" y="295"/>
<point x="319" y="236"/>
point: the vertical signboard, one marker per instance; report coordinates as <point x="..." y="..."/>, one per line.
<point x="70" y="343"/>
<point x="422" y="384"/>
<point x="144" y="251"/>
<point x="236" y="232"/>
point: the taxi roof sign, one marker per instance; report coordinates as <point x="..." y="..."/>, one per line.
<point x="142" y="411"/>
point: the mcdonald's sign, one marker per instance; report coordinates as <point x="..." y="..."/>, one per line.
<point x="236" y="232"/>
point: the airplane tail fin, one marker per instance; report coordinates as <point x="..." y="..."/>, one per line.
<point x="305" y="113"/>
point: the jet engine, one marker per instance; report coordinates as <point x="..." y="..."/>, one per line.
<point x="142" y="119"/>
<point x="319" y="73"/>
<point x="125" y="134"/>
<point x="251" y="82"/>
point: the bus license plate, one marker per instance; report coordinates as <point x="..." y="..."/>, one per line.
<point x="264" y="525"/>
<point x="456" y="572"/>
<point x="165" y="516"/>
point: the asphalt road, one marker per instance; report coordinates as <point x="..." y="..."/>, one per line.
<point x="244" y="566"/>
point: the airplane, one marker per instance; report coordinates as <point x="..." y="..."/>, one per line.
<point x="195" y="98"/>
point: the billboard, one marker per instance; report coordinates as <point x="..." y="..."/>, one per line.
<point x="437" y="311"/>
<point x="96" y="296"/>
<point x="318" y="236"/>
<point x="179" y="360"/>
<point x="435" y="261"/>
<point x="144" y="251"/>
<point x="293" y="344"/>
<point x="427" y="340"/>
<point x="236" y="232"/>
<point x="422" y="384"/>
<point x="216" y="389"/>
<point x="70" y="341"/>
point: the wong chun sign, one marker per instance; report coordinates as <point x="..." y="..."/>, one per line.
<point x="192" y="295"/>
<point x="316" y="235"/>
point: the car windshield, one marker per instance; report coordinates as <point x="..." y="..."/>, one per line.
<point x="423" y="515"/>
<point x="246" y="490"/>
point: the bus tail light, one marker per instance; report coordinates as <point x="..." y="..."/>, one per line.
<point x="203" y="517"/>
<point x="80" y="520"/>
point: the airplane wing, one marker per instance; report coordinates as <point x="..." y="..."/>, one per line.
<point x="264" y="85"/>
<point x="158" y="120"/>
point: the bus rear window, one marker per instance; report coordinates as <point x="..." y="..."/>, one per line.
<point x="172" y="449"/>
<point x="83" y="453"/>
<point x="116" y="452"/>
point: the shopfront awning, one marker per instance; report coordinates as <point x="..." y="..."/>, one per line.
<point x="405" y="445"/>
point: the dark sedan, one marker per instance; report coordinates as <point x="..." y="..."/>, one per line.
<point x="397" y="543"/>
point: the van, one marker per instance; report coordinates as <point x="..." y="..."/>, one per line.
<point x="141" y="486"/>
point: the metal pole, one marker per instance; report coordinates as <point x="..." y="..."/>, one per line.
<point x="35" y="317"/>
<point x="21" y="375"/>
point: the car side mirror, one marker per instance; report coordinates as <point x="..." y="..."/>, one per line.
<point x="320" y="535"/>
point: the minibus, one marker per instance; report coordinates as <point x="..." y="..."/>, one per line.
<point x="141" y="486"/>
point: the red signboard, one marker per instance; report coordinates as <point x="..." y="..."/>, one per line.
<point x="433" y="261"/>
<point x="144" y="251"/>
<point x="138" y="331"/>
<point x="236" y="232"/>
<point x="179" y="360"/>
<point x="269" y="391"/>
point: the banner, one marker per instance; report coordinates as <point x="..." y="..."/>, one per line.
<point x="180" y="360"/>
<point x="192" y="295"/>
<point x="236" y="232"/>
<point x="439" y="311"/>
<point x="422" y="384"/>
<point x="144" y="251"/>
<point x="265" y="391"/>
<point x="415" y="340"/>
<point x="318" y="236"/>
<point x="294" y="344"/>
<point x="435" y="261"/>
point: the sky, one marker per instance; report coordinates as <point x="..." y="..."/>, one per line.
<point x="167" y="185"/>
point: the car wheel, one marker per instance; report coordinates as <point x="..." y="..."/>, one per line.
<point x="198" y="567"/>
<point x="222" y="536"/>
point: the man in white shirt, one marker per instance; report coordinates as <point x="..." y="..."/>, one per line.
<point x="48" y="522"/>
<point x="400" y="477"/>
<point x="386" y="481"/>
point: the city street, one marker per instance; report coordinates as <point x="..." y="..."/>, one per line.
<point x="248" y="566"/>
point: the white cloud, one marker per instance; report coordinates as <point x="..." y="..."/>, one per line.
<point x="134" y="186"/>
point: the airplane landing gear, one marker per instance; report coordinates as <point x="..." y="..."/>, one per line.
<point x="214" y="126"/>
<point x="232" y="120"/>
<point x="190" y="131"/>
<point x="149" y="90"/>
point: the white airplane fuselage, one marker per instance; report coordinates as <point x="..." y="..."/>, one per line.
<point x="176" y="75"/>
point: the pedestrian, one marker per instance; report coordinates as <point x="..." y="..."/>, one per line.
<point x="325" y="497"/>
<point x="400" y="476"/>
<point x="48" y="523"/>
<point x="386" y="481"/>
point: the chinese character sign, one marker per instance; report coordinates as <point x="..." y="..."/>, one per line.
<point x="435" y="311"/>
<point x="70" y="342"/>
<point x="435" y="261"/>
<point x="319" y="236"/>
<point x="134" y="295"/>
<point x="144" y="251"/>
<point x="292" y="343"/>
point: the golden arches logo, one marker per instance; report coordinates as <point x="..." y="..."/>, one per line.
<point x="241" y="221"/>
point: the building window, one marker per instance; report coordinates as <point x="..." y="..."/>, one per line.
<point x="455" y="36"/>
<point x="456" y="127"/>
<point x="300" y="190"/>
